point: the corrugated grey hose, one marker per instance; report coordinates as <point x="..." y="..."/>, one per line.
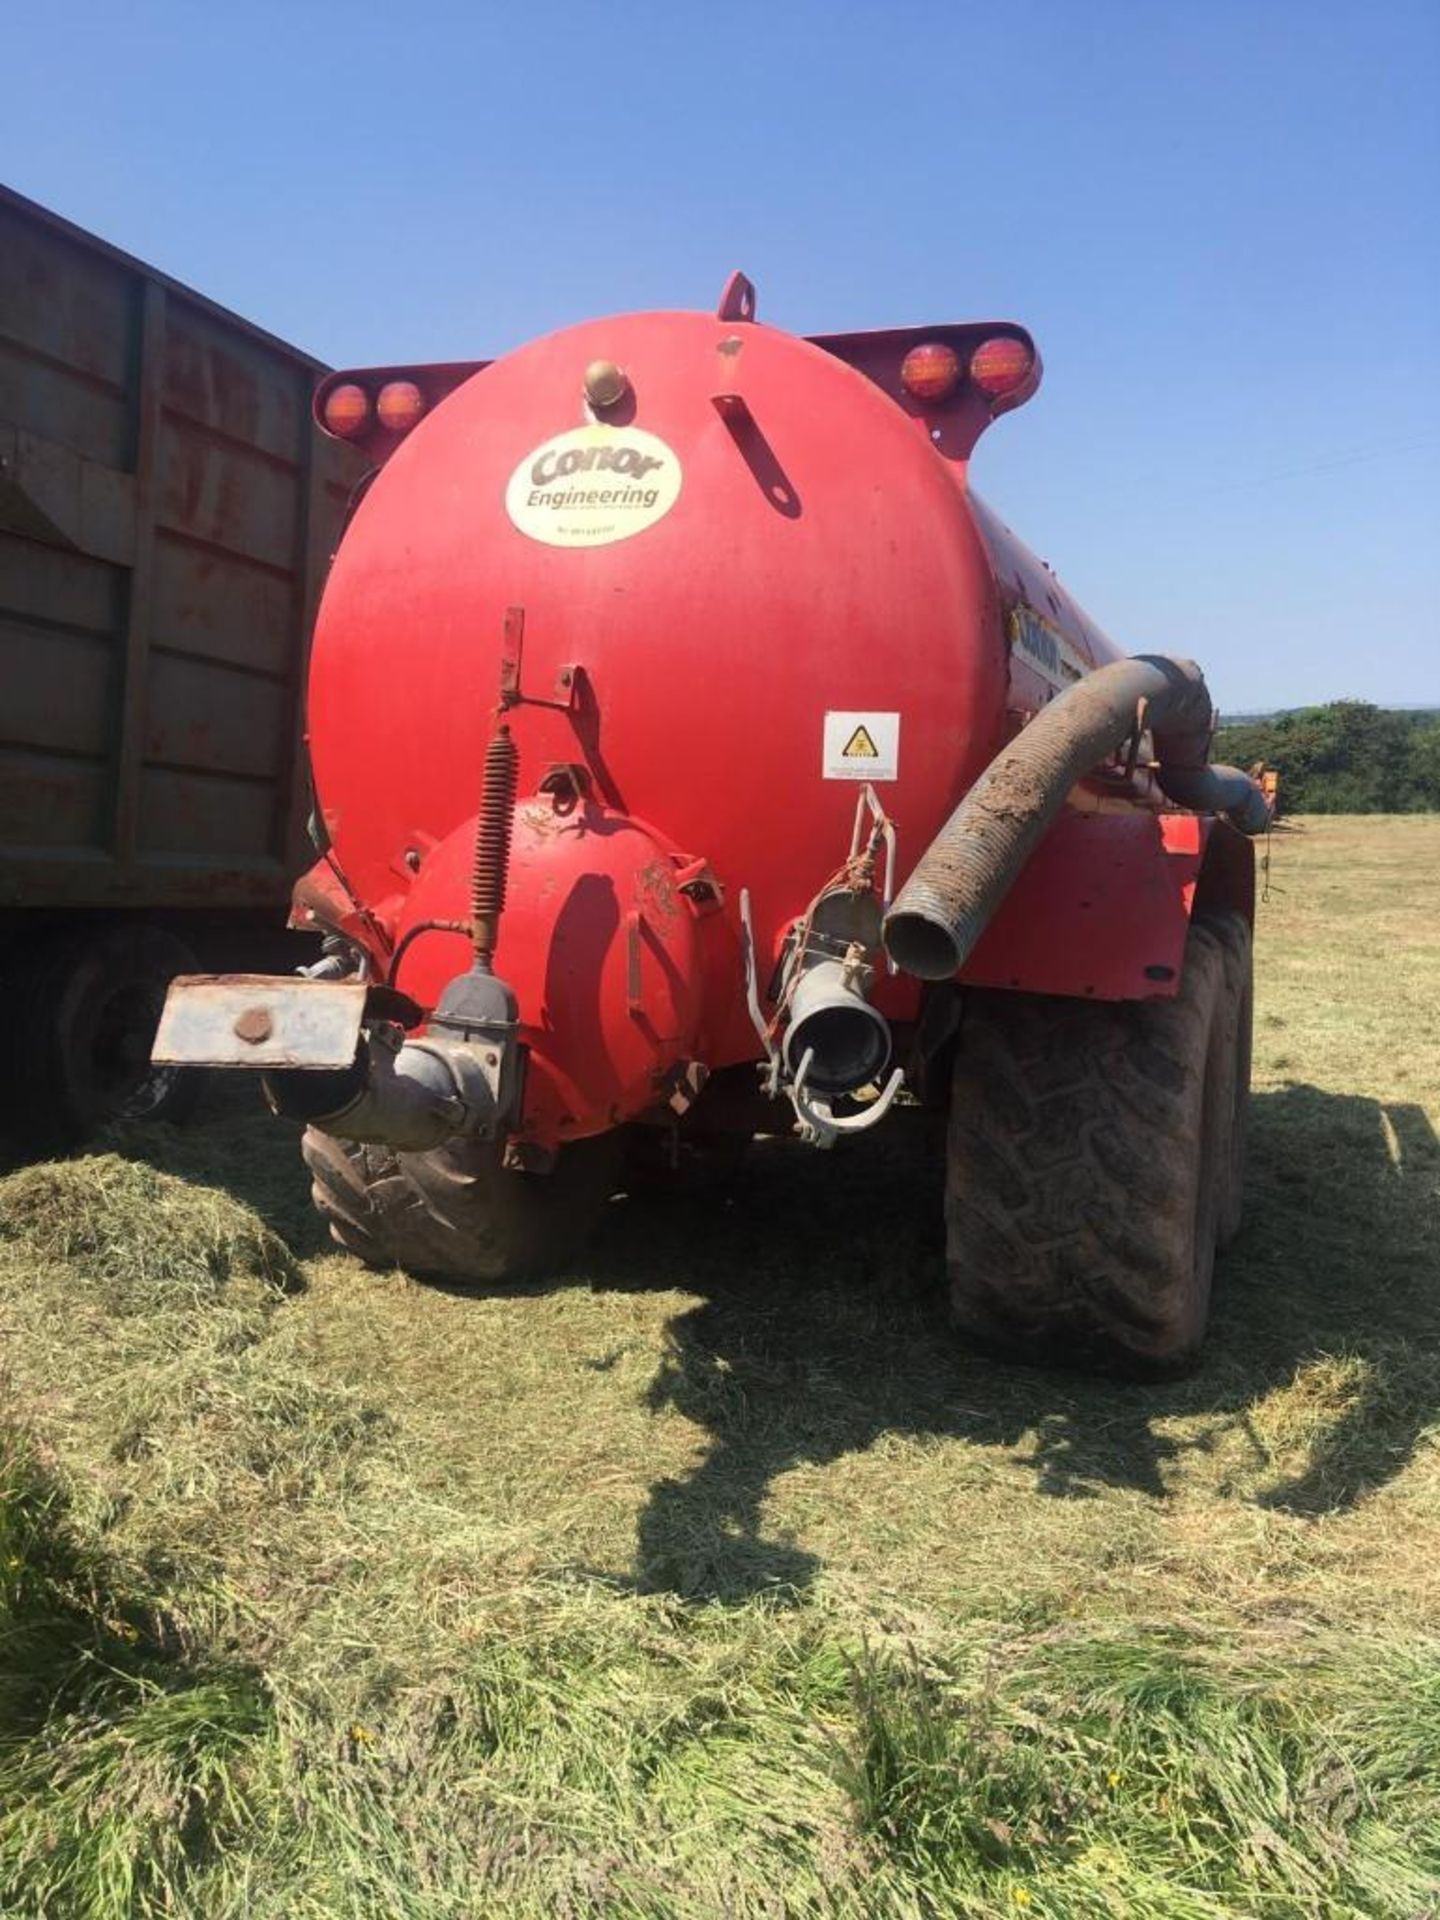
<point x="972" y="862"/>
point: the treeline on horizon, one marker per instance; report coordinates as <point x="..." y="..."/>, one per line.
<point x="1347" y="757"/>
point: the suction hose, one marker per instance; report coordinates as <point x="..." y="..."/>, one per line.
<point x="971" y="864"/>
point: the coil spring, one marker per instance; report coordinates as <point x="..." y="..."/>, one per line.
<point x="492" y="841"/>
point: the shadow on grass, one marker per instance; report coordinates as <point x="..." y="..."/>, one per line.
<point x="823" y="1330"/>
<point x="822" y="1327"/>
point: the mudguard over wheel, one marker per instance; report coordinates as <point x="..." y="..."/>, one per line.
<point x="1095" y="1161"/>
<point x="455" y="1212"/>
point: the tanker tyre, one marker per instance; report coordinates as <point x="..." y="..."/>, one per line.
<point x="1087" y="1156"/>
<point x="343" y="1180"/>
<point x="455" y="1213"/>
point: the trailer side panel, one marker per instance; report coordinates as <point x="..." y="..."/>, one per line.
<point x="167" y="511"/>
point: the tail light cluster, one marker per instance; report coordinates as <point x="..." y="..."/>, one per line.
<point x="954" y="378"/>
<point x="373" y="408"/>
<point x="351" y="410"/>
<point x="999" y="366"/>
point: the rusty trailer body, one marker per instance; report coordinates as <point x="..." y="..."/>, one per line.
<point x="167" y="513"/>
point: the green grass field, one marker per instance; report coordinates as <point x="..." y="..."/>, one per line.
<point x="713" y="1580"/>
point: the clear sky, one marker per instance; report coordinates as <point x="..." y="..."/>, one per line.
<point x="1218" y="218"/>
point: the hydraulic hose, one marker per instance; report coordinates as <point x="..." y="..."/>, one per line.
<point x="971" y="864"/>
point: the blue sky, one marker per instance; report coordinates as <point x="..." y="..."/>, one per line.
<point x="1218" y="219"/>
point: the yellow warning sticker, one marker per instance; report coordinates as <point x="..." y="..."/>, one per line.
<point x="861" y="746"/>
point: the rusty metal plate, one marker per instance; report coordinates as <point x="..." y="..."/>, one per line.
<point x="259" y="1020"/>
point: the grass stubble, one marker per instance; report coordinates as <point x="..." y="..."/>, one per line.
<point x="712" y="1580"/>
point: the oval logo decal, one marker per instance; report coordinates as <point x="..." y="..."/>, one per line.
<point x="592" y="486"/>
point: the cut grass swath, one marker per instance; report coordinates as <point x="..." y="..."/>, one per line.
<point x="711" y="1580"/>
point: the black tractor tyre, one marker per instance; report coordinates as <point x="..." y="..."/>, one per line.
<point x="1092" y="1161"/>
<point x="456" y="1213"/>
<point x="83" y="1012"/>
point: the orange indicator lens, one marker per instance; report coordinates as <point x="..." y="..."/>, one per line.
<point x="347" y="410"/>
<point x="931" y="372"/>
<point x="399" y="405"/>
<point x="999" y="366"/>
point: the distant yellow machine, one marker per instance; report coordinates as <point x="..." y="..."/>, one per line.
<point x="1268" y="780"/>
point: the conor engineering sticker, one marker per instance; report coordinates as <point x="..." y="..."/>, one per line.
<point x="861" y="746"/>
<point x="592" y="486"/>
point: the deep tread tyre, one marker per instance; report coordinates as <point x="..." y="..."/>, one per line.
<point x="342" y="1182"/>
<point x="455" y="1213"/>
<point x="1091" y="1154"/>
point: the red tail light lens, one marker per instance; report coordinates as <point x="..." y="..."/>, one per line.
<point x="931" y="372"/>
<point x="999" y="366"/>
<point x="399" y="404"/>
<point x="347" y="410"/>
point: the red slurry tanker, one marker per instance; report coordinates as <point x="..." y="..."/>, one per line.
<point x="696" y="755"/>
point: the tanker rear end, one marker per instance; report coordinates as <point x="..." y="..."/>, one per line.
<point x="658" y="654"/>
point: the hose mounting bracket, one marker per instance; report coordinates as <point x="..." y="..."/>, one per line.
<point x="816" y="1121"/>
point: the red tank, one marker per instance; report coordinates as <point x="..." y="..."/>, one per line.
<point x="755" y="579"/>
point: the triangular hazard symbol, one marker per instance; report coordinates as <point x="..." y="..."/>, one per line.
<point x="860" y="746"/>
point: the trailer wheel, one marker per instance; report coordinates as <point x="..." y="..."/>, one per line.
<point x="455" y="1213"/>
<point x="84" y="1008"/>
<point x="1093" y="1159"/>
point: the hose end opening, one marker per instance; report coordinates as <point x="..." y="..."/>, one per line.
<point x="849" y="1046"/>
<point x="922" y="946"/>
